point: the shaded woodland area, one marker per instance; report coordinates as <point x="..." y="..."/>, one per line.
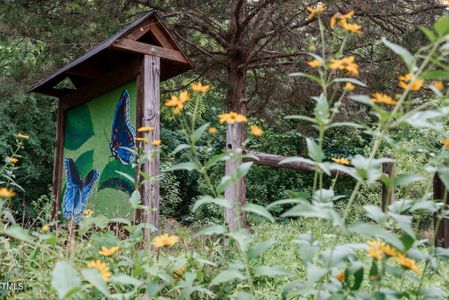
<point x="246" y="50"/>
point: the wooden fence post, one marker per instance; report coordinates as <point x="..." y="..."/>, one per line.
<point x="387" y="191"/>
<point x="149" y="81"/>
<point x="442" y="232"/>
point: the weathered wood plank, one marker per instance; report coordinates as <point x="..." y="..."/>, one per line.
<point x="103" y="84"/>
<point x="58" y="161"/>
<point x="236" y="191"/>
<point x="138" y="47"/>
<point x="387" y="192"/>
<point x="273" y="160"/>
<point x="149" y="85"/>
<point x="441" y="227"/>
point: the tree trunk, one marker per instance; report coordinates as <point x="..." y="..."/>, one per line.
<point x="235" y="135"/>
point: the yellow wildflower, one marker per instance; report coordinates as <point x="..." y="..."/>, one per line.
<point x="141" y="139"/>
<point x="101" y="267"/>
<point x="373" y="277"/>
<point x="438" y="85"/>
<point x="213" y="130"/>
<point x="108" y="251"/>
<point x="343" y="22"/>
<point x="156" y="143"/>
<point x="164" y="240"/>
<point x="256" y="130"/>
<point x="341" y="161"/>
<point x="200" y="88"/>
<point x="341" y="276"/>
<point x="315" y="63"/>
<point x="445" y="143"/>
<point x="408" y="263"/>
<point x="354" y="28"/>
<point x="7" y="193"/>
<point x="349" y="86"/>
<point x="180" y="271"/>
<point x="374" y="251"/>
<point x="232" y="118"/>
<point x="178" y="102"/>
<point x="346" y="63"/>
<point x="13" y="160"/>
<point x="45" y="228"/>
<point x="406" y="81"/>
<point x="145" y="129"/>
<point x="388" y="250"/>
<point x="383" y="98"/>
<point x="23" y="136"/>
<point x="319" y="8"/>
<point x="88" y="212"/>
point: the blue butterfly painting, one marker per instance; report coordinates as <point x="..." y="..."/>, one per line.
<point x="77" y="191"/>
<point x="123" y="132"/>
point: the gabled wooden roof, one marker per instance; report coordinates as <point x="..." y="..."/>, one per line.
<point x="147" y="35"/>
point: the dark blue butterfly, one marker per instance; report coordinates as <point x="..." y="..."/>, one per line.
<point x="77" y="191"/>
<point x="123" y="132"/>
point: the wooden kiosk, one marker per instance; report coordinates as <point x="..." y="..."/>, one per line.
<point x="115" y="91"/>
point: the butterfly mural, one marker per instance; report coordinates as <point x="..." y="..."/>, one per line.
<point x="123" y="132"/>
<point x="77" y="191"/>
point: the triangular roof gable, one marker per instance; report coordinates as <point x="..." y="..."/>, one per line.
<point x="148" y="28"/>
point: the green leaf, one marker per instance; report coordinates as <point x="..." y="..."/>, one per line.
<point x="189" y="166"/>
<point x="352" y="80"/>
<point x="258" y="249"/>
<point x="441" y="26"/>
<point x="270" y="271"/>
<point x="135" y="198"/>
<point x="242" y="170"/>
<point x="435" y="75"/>
<point x="376" y="230"/>
<point x="215" y="159"/>
<point x="94" y="277"/>
<point x="258" y="210"/>
<point x="283" y="202"/>
<point x="196" y="135"/>
<point x="314" y="150"/>
<point x="405" y="179"/>
<point x="242" y="237"/>
<point x="375" y="213"/>
<point x="65" y="280"/>
<point x="180" y="148"/>
<point x="429" y="33"/>
<point x="242" y="296"/>
<point x="302" y="118"/>
<point x="356" y="270"/>
<point x="305" y="75"/>
<point x="17" y="232"/>
<point x="210" y="200"/>
<point x="213" y="230"/>
<point x="406" y="56"/>
<point x="126" y="280"/>
<point x="226" y="276"/>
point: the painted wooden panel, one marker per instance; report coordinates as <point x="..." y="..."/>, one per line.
<point x="98" y="139"/>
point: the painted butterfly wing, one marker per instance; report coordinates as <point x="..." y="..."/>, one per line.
<point x="77" y="192"/>
<point x="88" y="185"/>
<point x="123" y="132"/>
<point x="72" y="193"/>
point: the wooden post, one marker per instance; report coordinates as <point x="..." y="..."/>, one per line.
<point x="236" y="191"/>
<point x="442" y="232"/>
<point x="149" y="80"/>
<point x="387" y="191"/>
<point x="58" y="160"/>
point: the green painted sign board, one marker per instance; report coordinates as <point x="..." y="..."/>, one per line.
<point x="98" y="137"/>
